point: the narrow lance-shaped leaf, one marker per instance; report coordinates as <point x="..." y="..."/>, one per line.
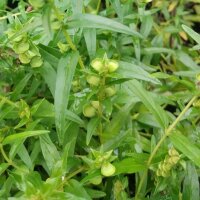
<point x="95" y="21"/>
<point x="184" y="145"/>
<point x="92" y="126"/>
<point x="160" y="115"/>
<point x="20" y="136"/>
<point x="65" y="73"/>
<point x="191" y="184"/>
<point x="194" y="35"/>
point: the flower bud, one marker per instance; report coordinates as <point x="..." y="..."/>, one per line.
<point x="112" y="65"/>
<point x="89" y="111"/>
<point x="97" y="65"/>
<point x="107" y="169"/>
<point x="36" y="61"/>
<point x="96" y="180"/>
<point x="95" y="104"/>
<point x="110" y="91"/>
<point x="93" y="80"/>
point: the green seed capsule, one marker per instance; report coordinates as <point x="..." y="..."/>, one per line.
<point x="18" y="38"/>
<point x="107" y="169"/>
<point x="112" y="65"/>
<point x="21" y="47"/>
<point x="95" y="104"/>
<point x="173" y="152"/>
<point x="93" y="80"/>
<point x="89" y="111"/>
<point x="36" y="61"/>
<point x="63" y="47"/>
<point x="55" y="25"/>
<point x="24" y="58"/>
<point x="173" y="160"/>
<point x="96" y="180"/>
<point x="97" y="64"/>
<point x="110" y="91"/>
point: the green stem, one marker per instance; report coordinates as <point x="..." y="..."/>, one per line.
<point x="5" y="99"/>
<point x="98" y="6"/>
<point x="167" y="133"/>
<point x="67" y="36"/>
<point x="75" y="173"/>
<point x="9" y="161"/>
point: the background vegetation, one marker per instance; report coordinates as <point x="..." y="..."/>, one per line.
<point x="99" y="99"/>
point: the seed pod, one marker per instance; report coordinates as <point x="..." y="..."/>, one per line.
<point x="95" y="104"/>
<point x="173" y="160"/>
<point x="30" y="54"/>
<point x="24" y="58"/>
<point x="63" y="47"/>
<point x="36" y="61"/>
<point x="97" y="64"/>
<point x="107" y="169"/>
<point x="167" y="167"/>
<point x="18" y="38"/>
<point x="165" y="174"/>
<point x="173" y="152"/>
<point x="93" y="80"/>
<point x="89" y="111"/>
<point x="21" y="47"/>
<point x="110" y="91"/>
<point x="112" y="65"/>
<point x="96" y="180"/>
<point x="158" y="172"/>
<point x="55" y="25"/>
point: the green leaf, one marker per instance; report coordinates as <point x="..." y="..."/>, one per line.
<point x="24" y="155"/>
<point x="20" y="86"/>
<point x="49" y="75"/>
<point x="20" y="136"/>
<point x="158" y="50"/>
<point x="50" y="54"/>
<point x="131" y="165"/>
<point x="194" y="35"/>
<point x="184" y="145"/>
<point x="75" y="188"/>
<point x="95" y="21"/>
<point x="159" y="114"/>
<point x="113" y="127"/>
<point x="91" y="128"/>
<point x="65" y="73"/>
<point x="130" y="70"/>
<point x="49" y="151"/>
<point x="46" y="19"/>
<point x="191" y="184"/>
<point x="3" y="167"/>
<point x="90" y="40"/>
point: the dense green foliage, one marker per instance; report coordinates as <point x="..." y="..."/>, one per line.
<point x="99" y="99"/>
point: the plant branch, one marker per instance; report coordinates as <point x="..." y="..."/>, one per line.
<point x="67" y="36"/>
<point x="167" y="133"/>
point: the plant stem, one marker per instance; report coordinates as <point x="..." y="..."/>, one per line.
<point x="75" y="173"/>
<point x="98" y="6"/>
<point x="9" y="102"/>
<point x="10" y="162"/>
<point x="167" y="133"/>
<point x="67" y="36"/>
